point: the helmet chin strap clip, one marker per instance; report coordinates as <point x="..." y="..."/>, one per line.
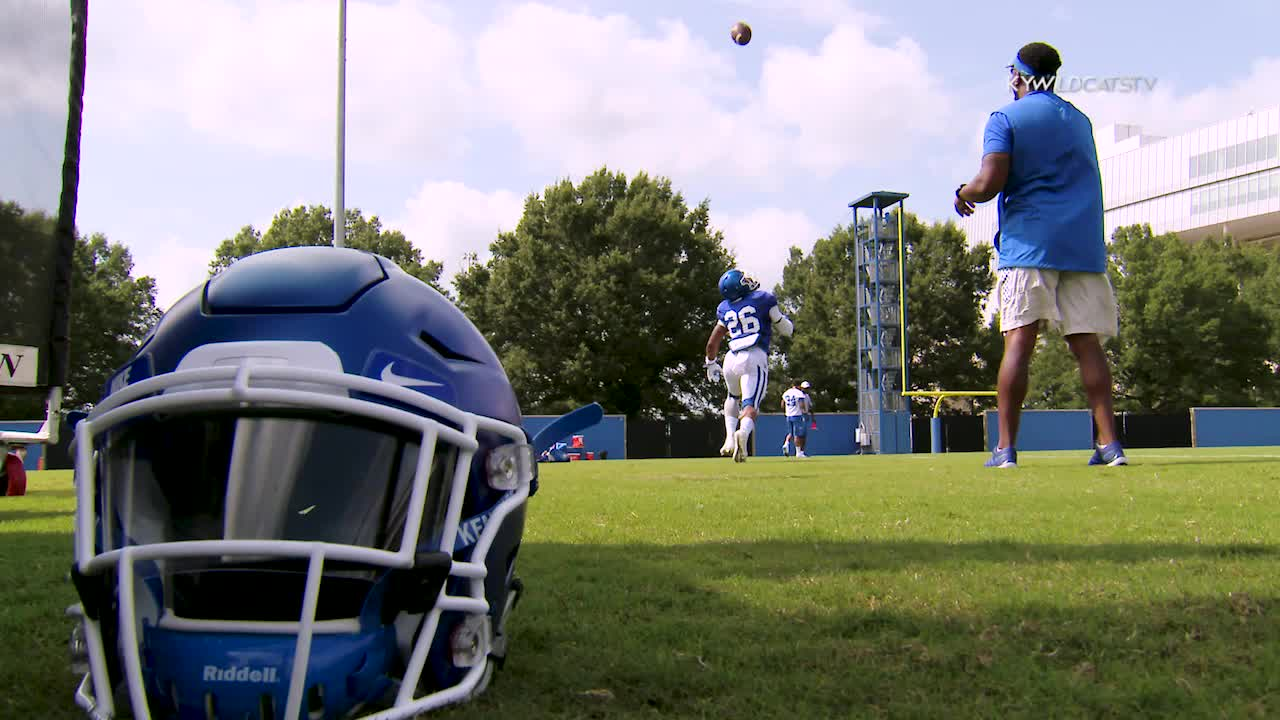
<point x="414" y="590"/>
<point x="93" y="592"/>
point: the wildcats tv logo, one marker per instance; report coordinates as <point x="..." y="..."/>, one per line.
<point x="18" y="365"/>
<point x="243" y="674"/>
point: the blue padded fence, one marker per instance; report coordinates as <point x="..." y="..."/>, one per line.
<point x="834" y="436"/>
<point x="1045" y="429"/>
<point x="1235" y="427"/>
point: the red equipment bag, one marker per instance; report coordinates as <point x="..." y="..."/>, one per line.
<point x="15" y="474"/>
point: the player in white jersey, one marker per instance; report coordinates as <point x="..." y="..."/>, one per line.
<point x="795" y="403"/>
<point x="747" y="316"/>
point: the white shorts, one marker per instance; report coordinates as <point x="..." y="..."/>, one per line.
<point x="1078" y="302"/>
<point x="747" y="373"/>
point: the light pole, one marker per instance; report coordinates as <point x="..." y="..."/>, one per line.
<point x="339" y="209"/>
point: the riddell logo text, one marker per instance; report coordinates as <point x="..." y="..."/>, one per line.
<point x="246" y="674"/>
<point x="1062" y="84"/>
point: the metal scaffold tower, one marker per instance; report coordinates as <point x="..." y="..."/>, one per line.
<point x="884" y="415"/>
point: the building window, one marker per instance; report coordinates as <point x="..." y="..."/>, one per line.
<point x="1272" y="146"/>
<point x="1253" y="189"/>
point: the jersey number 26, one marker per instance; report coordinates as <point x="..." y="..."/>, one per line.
<point x="742" y="322"/>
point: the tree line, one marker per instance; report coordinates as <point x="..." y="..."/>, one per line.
<point x="606" y="289"/>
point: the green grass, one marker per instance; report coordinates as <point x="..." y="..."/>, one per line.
<point x="918" y="586"/>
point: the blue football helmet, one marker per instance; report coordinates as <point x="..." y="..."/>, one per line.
<point x="735" y="285"/>
<point x="302" y="497"/>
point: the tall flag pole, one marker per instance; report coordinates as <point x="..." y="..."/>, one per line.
<point x="339" y="209"/>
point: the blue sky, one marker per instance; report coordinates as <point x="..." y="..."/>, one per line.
<point x="208" y="115"/>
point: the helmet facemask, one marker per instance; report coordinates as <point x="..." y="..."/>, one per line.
<point x="273" y="539"/>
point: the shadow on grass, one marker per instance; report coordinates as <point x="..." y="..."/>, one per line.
<point x="780" y="558"/>
<point x="35" y="681"/>
<point x="631" y="632"/>
<point x="1178" y="462"/>
<point x="21" y="515"/>
<point x="646" y="631"/>
<point x="59" y="493"/>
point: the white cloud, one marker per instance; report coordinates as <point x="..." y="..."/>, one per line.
<point x="582" y="90"/>
<point x="882" y="92"/>
<point x="579" y="89"/>
<point x="447" y="220"/>
<point x="819" y="13"/>
<point x="761" y="239"/>
<point x="266" y="76"/>
<point x="34" y="53"/>
<point x="1169" y="110"/>
<point x="176" y="267"/>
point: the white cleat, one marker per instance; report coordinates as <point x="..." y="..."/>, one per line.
<point x="740" y="447"/>
<point x="727" y="449"/>
<point x="800" y="454"/>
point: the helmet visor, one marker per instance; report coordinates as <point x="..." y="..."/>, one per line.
<point x="236" y="476"/>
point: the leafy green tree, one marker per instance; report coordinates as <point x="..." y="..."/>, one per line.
<point x="950" y="345"/>
<point x="313" y="225"/>
<point x="1188" y="335"/>
<point x="605" y="291"/>
<point x="24" y="278"/>
<point x="1258" y="267"/>
<point x="111" y="311"/>
<point x="819" y="293"/>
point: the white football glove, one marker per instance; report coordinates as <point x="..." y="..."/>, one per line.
<point x="714" y="373"/>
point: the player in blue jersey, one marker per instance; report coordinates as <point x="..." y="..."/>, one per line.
<point x="747" y="316"/>
<point x="1039" y="157"/>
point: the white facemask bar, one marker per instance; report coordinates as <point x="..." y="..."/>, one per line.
<point x="231" y="385"/>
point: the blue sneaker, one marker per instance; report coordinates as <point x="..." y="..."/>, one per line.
<point x="1003" y="458"/>
<point x="1109" y="455"/>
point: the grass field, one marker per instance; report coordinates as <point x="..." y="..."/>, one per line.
<point x="916" y="586"/>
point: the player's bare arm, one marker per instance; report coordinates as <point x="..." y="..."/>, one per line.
<point x="714" y="371"/>
<point x="990" y="180"/>
<point x="713" y="342"/>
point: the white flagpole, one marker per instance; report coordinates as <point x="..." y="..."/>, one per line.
<point x="339" y="208"/>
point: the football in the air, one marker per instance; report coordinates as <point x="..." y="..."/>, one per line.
<point x="741" y="33"/>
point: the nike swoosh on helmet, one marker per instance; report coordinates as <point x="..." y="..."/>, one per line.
<point x="389" y="376"/>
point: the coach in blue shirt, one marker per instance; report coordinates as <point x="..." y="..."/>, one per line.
<point x="1039" y="157"/>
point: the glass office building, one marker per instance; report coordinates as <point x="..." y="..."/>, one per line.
<point x="1216" y="180"/>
